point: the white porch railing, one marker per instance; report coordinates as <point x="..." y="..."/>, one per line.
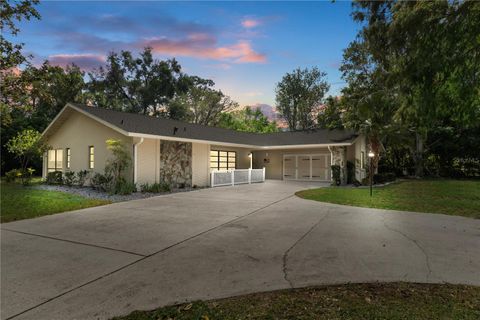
<point x="237" y="176"/>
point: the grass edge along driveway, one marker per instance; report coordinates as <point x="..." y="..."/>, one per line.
<point x="451" y="197"/>
<point x="18" y="202"/>
<point x="349" y="301"/>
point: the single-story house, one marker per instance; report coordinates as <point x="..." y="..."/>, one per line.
<point x="189" y="153"/>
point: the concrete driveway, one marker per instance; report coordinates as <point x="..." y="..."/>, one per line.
<point x="106" y="261"/>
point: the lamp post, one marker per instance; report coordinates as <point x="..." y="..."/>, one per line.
<point x="371" y="155"/>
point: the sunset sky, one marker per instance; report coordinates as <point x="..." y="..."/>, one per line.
<point x="245" y="47"/>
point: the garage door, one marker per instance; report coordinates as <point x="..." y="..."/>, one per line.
<point x="308" y="167"/>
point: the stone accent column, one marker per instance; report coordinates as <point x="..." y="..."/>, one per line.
<point x="176" y="163"/>
<point x="339" y="158"/>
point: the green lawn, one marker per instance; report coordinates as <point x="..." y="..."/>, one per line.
<point x="453" y="197"/>
<point x="353" y="301"/>
<point x="18" y="202"/>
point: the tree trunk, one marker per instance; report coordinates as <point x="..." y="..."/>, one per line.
<point x="419" y="151"/>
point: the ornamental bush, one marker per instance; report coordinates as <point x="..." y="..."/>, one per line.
<point x="54" y="177"/>
<point x="336" y="174"/>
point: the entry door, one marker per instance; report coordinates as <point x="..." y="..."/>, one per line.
<point x="290" y="167"/>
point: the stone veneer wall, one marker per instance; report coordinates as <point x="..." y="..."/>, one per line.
<point x="339" y="157"/>
<point x="176" y="163"/>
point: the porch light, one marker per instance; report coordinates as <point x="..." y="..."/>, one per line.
<point x="371" y="154"/>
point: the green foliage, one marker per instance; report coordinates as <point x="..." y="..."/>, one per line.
<point x="27" y="146"/>
<point x="24" y="203"/>
<point x="201" y="104"/>
<point x="453" y="197"/>
<point x="136" y="84"/>
<point x="384" y="177"/>
<point x="155" y="187"/>
<point x="12" y="175"/>
<point x="25" y="177"/>
<point x="393" y="301"/>
<point x="12" y="12"/>
<point x="54" y="177"/>
<point x="113" y="180"/>
<point x="299" y="94"/>
<point x="82" y="177"/>
<point x="123" y="187"/>
<point x="69" y="178"/>
<point x="101" y="182"/>
<point x="247" y="120"/>
<point x="412" y="69"/>
<point x="331" y="113"/>
<point x="31" y="98"/>
<point x="336" y="174"/>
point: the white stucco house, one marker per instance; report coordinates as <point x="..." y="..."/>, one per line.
<point x="190" y="153"/>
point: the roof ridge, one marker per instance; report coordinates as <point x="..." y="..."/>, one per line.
<point x="87" y="107"/>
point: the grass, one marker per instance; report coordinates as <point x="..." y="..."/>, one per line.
<point x="18" y="202"/>
<point x="351" y="301"/>
<point x="452" y="197"/>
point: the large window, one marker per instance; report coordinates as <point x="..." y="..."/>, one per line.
<point x="91" y="157"/>
<point x="55" y="160"/>
<point x="67" y="151"/>
<point x="223" y="160"/>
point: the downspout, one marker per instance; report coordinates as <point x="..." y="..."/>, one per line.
<point x="135" y="160"/>
<point x="331" y="162"/>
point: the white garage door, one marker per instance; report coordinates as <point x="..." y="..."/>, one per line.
<point x="309" y="167"/>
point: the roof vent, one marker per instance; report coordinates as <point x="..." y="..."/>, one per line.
<point x="121" y="122"/>
<point x="175" y="129"/>
<point x="184" y="129"/>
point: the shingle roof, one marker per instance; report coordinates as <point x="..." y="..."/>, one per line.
<point x="137" y="123"/>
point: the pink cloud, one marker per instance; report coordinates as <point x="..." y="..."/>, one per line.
<point x="250" y="23"/>
<point x="83" y="61"/>
<point x="201" y="45"/>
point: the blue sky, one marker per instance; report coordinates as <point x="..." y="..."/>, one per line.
<point x="245" y="47"/>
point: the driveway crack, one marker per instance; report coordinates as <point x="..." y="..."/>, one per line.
<point x="417" y="244"/>
<point x="141" y="258"/>
<point x="285" y="255"/>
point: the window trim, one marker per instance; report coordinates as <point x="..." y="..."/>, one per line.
<point x="55" y="161"/>
<point x="224" y="159"/>
<point x="68" y="156"/>
<point x="362" y="159"/>
<point x="91" y="157"/>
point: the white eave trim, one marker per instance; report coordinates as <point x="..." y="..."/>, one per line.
<point x="230" y="144"/>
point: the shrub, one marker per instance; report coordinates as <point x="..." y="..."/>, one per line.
<point x="82" y="177"/>
<point x="54" y="177"/>
<point x="27" y="176"/>
<point x="123" y="187"/>
<point x="13" y="175"/>
<point x="336" y="175"/>
<point x="101" y="182"/>
<point x="155" y="187"/>
<point x="383" y="177"/>
<point x="69" y="178"/>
